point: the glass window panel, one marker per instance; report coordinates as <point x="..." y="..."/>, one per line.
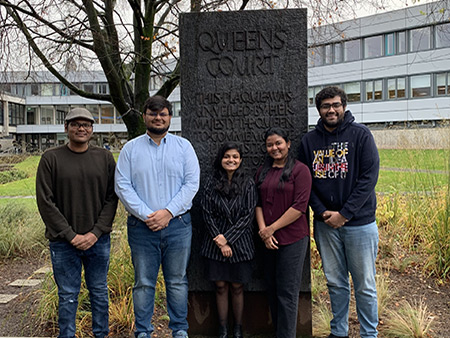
<point x="441" y="84"/>
<point x="352" y="50"/>
<point x="46" y="89"/>
<point x="16" y="114"/>
<point x="88" y="87"/>
<point x="353" y="90"/>
<point x="373" y="46"/>
<point x="107" y="114"/>
<point x="46" y="114"/>
<point x="94" y="109"/>
<point x="420" y="85"/>
<point x="401" y="87"/>
<point x="401" y="39"/>
<point x="34" y="89"/>
<point x="103" y="88"/>
<point x="63" y="90"/>
<point x="390" y="44"/>
<point x="328" y="54"/>
<point x="61" y="112"/>
<point x="369" y="91"/>
<point x="443" y="35"/>
<point x="31" y="114"/>
<point x="315" y="56"/>
<point x="337" y="52"/>
<point x="176" y="108"/>
<point x="391" y="89"/>
<point x="420" y="39"/>
<point x="310" y="96"/>
<point x="378" y="92"/>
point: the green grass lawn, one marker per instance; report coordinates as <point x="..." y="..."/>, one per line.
<point x="389" y="181"/>
<point x="392" y="181"/>
<point x="415" y="158"/>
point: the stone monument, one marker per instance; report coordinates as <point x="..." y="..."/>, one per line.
<point x="241" y="73"/>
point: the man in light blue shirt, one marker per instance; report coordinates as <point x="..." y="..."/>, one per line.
<point x="157" y="176"/>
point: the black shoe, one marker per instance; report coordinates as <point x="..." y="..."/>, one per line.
<point x="223" y="332"/>
<point x="333" y="336"/>
<point x="237" y="331"/>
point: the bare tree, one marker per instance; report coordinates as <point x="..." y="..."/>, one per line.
<point x="128" y="39"/>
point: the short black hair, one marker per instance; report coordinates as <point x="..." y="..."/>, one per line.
<point x="329" y="93"/>
<point x="157" y="103"/>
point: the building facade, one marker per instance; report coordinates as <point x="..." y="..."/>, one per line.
<point x="394" y="66"/>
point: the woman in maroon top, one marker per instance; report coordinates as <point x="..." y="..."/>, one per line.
<point x="284" y="185"/>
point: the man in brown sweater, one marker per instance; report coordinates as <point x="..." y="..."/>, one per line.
<point x="76" y="200"/>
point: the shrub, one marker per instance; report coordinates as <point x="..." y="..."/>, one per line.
<point x="21" y="230"/>
<point x="12" y="175"/>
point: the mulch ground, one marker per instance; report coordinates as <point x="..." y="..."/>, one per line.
<point x="16" y="317"/>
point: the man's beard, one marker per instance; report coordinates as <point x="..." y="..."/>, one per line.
<point x="333" y="124"/>
<point x="157" y="131"/>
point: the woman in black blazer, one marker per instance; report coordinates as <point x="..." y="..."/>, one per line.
<point x="228" y="203"/>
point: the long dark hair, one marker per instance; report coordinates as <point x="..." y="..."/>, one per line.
<point x="222" y="185"/>
<point x="268" y="161"/>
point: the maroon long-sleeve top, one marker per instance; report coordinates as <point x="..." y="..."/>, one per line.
<point x="275" y="198"/>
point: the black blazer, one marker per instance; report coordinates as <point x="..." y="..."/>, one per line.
<point x="231" y="217"/>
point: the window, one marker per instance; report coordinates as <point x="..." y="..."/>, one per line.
<point x="103" y="88"/>
<point x="389" y="44"/>
<point x="176" y="107"/>
<point x="312" y="92"/>
<point x="442" y="84"/>
<point x="1" y="112"/>
<point x="46" y="114"/>
<point x="353" y="90"/>
<point x="396" y="88"/>
<point x="338" y="52"/>
<point x="63" y="90"/>
<point x="34" y="89"/>
<point x="420" y="86"/>
<point x="419" y="39"/>
<point x="401" y="42"/>
<point x="373" y="47"/>
<point x="374" y="90"/>
<point x="46" y="89"/>
<point x="31" y="114"/>
<point x="443" y="35"/>
<point x="61" y="112"/>
<point x="401" y="87"/>
<point x="16" y="114"/>
<point x="315" y="58"/>
<point x="88" y="87"/>
<point x="107" y="114"/>
<point x="328" y="54"/>
<point x="352" y="50"/>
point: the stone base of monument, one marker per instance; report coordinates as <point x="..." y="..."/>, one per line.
<point x="203" y="320"/>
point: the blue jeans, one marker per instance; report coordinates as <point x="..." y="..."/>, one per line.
<point x="67" y="262"/>
<point x="169" y="248"/>
<point x="350" y="249"/>
<point x="283" y="273"/>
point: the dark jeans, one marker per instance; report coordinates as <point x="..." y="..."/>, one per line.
<point x="67" y="262"/>
<point x="169" y="248"/>
<point x="283" y="272"/>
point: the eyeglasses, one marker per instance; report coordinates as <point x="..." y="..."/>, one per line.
<point x="155" y="113"/>
<point x="327" y="106"/>
<point x="80" y="125"/>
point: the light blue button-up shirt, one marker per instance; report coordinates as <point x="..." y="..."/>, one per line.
<point x="151" y="177"/>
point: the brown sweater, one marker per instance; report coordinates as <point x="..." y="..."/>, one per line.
<point x="75" y="192"/>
